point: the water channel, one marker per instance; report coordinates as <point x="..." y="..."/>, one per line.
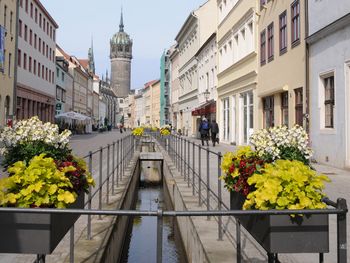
<point x="141" y="242"/>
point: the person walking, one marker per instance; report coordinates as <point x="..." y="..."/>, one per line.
<point x="204" y="130"/>
<point x="214" y="130"/>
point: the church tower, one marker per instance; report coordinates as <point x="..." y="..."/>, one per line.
<point x="121" y="55"/>
<point x="91" y="58"/>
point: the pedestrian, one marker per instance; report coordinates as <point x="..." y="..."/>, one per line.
<point x="204" y="130"/>
<point x="214" y="130"/>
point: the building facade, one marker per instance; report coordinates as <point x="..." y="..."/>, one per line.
<point x="174" y="89"/>
<point x="8" y="33"/>
<point x="64" y="86"/>
<point x="207" y="82"/>
<point x="121" y="55"/>
<point x="193" y="34"/>
<point x="155" y="104"/>
<point x="110" y="102"/>
<point x="237" y="70"/>
<point x="165" y="79"/>
<point x="36" y="66"/>
<point x="282" y="86"/>
<point x="140" y="118"/>
<point x="329" y="71"/>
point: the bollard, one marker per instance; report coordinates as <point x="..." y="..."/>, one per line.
<point x="100" y="184"/>
<point x="71" y="245"/>
<point x="199" y="176"/>
<point x="208" y="182"/>
<point x="220" y="198"/>
<point x="89" y="201"/>
<point x="341" y="231"/>
<point x="113" y="167"/>
<point x="108" y="173"/>
<point x="193" y="171"/>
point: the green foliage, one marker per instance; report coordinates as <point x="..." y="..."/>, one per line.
<point x="286" y="184"/>
<point x="27" y="150"/>
<point x="40" y="184"/>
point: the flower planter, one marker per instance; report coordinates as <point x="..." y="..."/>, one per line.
<point x="282" y="234"/>
<point x="25" y="233"/>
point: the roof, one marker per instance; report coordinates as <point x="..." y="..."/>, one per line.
<point x="84" y="63"/>
<point x="150" y="83"/>
<point x="205" y="44"/>
<point x="40" y="5"/>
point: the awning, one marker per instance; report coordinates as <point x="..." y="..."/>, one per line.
<point x="205" y="109"/>
<point x="73" y="115"/>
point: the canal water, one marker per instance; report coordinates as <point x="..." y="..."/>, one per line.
<point x="141" y="243"/>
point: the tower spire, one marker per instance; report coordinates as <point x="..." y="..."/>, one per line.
<point x="121" y="25"/>
<point x="91" y="57"/>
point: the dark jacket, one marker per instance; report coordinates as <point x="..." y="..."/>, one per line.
<point x="202" y="130"/>
<point x="214" y="127"/>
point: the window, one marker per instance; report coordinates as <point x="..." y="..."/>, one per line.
<point x="31" y="10"/>
<point x="19" y="58"/>
<point x="283" y="32"/>
<point x="329" y="101"/>
<point x="248" y="119"/>
<point x="299" y="106"/>
<point x="30" y="37"/>
<point x="20" y="28"/>
<point x="9" y="68"/>
<point x="47" y="28"/>
<point x="21" y="3"/>
<point x="62" y="76"/>
<point x="268" y="105"/>
<point x="36" y="15"/>
<point x="40" y="18"/>
<point x="11" y="21"/>
<point x="53" y="77"/>
<point x="25" y="61"/>
<point x="39" y="69"/>
<point x="270" y="46"/>
<point x="30" y="64"/>
<point x="35" y="40"/>
<point x="284" y="108"/>
<point x="57" y="72"/>
<point x="25" y="32"/>
<point x="34" y="67"/>
<point x="46" y="72"/>
<point x="44" y="24"/>
<point x="26" y="7"/>
<point x="42" y="72"/>
<point x="5" y="16"/>
<point x="39" y="44"/>
<point x="262" y="4"/>
<point x="263" y="47"/>
<point x="295" y="11"/>
<point x="58" y="91"/>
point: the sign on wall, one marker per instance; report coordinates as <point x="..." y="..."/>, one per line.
<point x="2" y="49"/>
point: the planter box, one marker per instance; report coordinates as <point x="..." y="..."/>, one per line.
<point x="283" y="234"/>
<point x="25" y="233"/>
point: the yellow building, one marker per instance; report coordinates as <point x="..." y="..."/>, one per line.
<point x="237" y="69"/>
<point x="8" y="14"/>
<point x="282" y="88"/>
<point x="155" y="106"/>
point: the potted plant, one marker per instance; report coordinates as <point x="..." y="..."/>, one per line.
<point x="277" y="175"/>
<point x="43" y="173"/>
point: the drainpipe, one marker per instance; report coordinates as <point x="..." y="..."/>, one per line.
<point x="14" y="98"/>
<point x="307" y="67"/>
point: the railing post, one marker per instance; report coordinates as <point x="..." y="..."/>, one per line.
<point x="238" y="240"/>
<point x="113" y="167"/>
<point x="71" y="245"/>
<point x="199" y="176"/>
<point x="159" y="235"/>
<point x="100" y="184"/>
<point x="208" y="182"/>
<point x="121" y="158"/>
<point x="188" y="163"/>
<point x="181" y="156"/>
<point x="108" y="173"/>
<point x="220" y="198"/>
<point x="118" y="152"/>
<point x="89" y="201"/>
<point x="194" y="165"/>
<point x="184" y="159"/>
<point x="341" y="231"/>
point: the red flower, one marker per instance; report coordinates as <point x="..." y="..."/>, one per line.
<point x="232" y="169"/>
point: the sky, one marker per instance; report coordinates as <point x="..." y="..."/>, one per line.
<point x="152" y="24"/>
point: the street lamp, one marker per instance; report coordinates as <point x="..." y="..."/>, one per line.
<point x="206" y="94"/>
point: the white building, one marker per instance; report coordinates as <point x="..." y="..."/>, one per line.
<point x="207" y="83"/>
<point x="36" y="88"/>
<point x="198" y="27"/>
<point x="329" y="71"/>
<point x="140" y="107"/>
<point x="174" y="89"/>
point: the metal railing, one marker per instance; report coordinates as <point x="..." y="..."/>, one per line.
<point x="183" y="153"/>
<point x="188" y="157"/>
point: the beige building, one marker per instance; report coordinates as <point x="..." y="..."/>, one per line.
<point x="237" y="69"/>
<point x="196" y="30"/>
<point x="282" y="89"/>
<point x="8" y="19"/>
<point x="174" y="89"/>
<point x="151" y="97"/>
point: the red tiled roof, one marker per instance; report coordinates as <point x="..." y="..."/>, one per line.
<point x="150" y="83"/>
<point x="84" y="63"/>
